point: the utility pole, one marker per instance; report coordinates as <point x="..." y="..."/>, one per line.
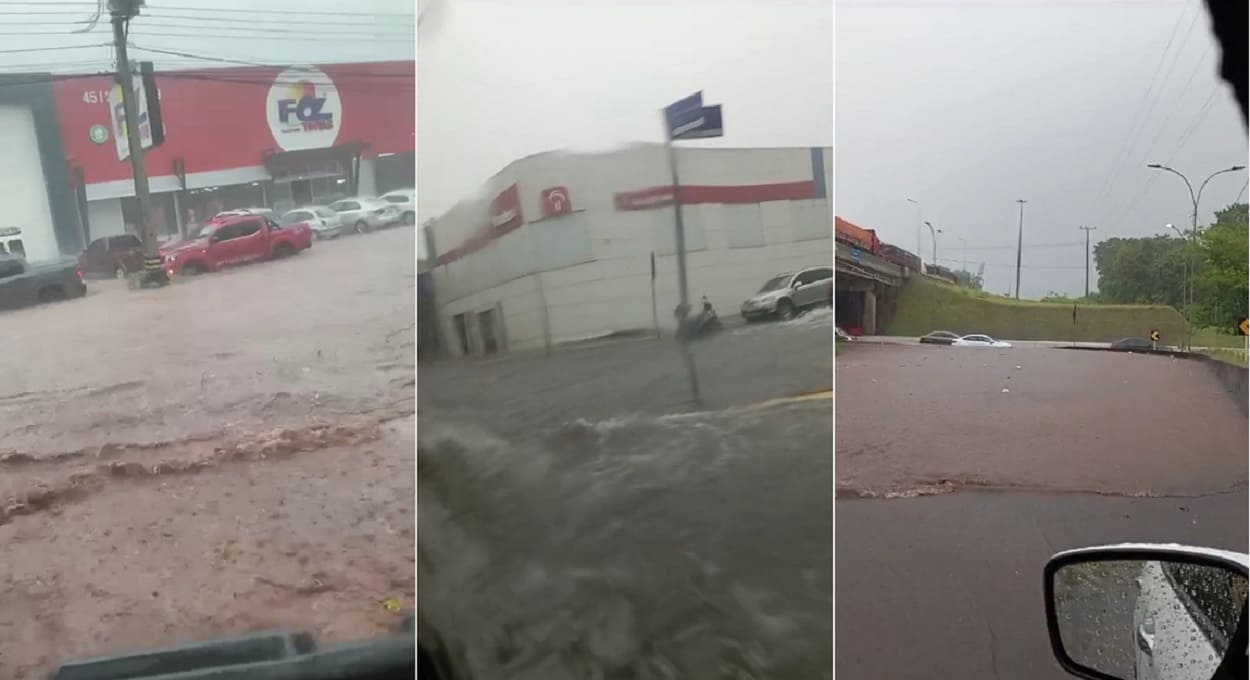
<point x="1087" y="230"/>
<point x="122" y="11"/>
<point x="1019" y="245"/>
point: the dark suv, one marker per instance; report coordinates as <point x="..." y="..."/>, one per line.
<point x="112" y="256"/>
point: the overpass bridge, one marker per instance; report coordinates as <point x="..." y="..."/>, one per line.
<point x="866" y="286"/>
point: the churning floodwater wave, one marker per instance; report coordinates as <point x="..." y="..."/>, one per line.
<point x="684" y="546"/>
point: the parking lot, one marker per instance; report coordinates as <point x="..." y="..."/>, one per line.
<point x="229" y="453"/>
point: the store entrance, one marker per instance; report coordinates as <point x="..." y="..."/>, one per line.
<point x="301" y="192"/>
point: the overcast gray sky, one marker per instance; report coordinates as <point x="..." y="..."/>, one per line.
<point x="501" y="79"/>
<point x="968" y="105"/>
<point x="268" y="31"/>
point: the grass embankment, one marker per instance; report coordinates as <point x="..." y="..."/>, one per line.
<point x="1237" y="357"/>
<point x="925" y="305"/>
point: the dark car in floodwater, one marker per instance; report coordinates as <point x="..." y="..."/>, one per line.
<point x="1131" y="343"/>
<point x="23" y="284"/>
<point x="939" y="338"/>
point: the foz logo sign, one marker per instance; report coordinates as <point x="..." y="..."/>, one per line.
<point x="304" y="109"/>
<point x="556" y="201"/>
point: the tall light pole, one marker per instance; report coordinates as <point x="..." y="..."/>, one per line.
<point x="933" y="232"/>
<point x="1087" y="230"/>
<point x="1193" y="236"/>
<point x="919" y="245"/>
<point x="1185" y="280"/>
<point x="1019" y="245"/>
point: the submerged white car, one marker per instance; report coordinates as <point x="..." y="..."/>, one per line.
<point x="980" y="341"/>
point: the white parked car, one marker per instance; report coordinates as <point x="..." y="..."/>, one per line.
<point x="324" y="222"/>
<point x="404" y="200"/>
<point x="363" y="214"/>
<point x="980" y="341"/>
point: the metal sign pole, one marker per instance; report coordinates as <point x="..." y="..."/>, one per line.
<point x="683" y="305"/>
<point x="655" y="314"/>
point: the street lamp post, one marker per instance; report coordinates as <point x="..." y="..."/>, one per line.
<point x="933" y="232"/>
<point x="1194" y="198"/>
<point x="1185" y="280"/>
<point x="919" y="245"/>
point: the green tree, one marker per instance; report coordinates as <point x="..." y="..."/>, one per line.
<point x="1147" y="270"/>
<point x="1220" y="283"/>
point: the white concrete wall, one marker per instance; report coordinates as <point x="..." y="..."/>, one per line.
<point x="105" y="218"/>
<point x="25" y="191"/>
<point x="613" y="291"/>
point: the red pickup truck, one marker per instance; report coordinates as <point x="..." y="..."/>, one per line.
<point x="231" y="240"/>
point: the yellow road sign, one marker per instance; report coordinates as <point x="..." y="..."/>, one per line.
<point x="1244" y="326"/>
<point x="1154" y="335"/>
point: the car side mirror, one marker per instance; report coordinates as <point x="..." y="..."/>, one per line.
<point x="1146" y="611"/>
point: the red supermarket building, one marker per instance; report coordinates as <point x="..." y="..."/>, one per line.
<point x="233" y="139"/>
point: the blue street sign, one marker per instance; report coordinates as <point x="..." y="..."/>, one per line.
<point x="682" y="108"/>
<point x="705" y="122"/>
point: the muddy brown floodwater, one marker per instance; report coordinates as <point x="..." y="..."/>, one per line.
<point x="229" y="454"/>
<point x="913" y="420"/>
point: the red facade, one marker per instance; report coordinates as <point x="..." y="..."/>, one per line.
<point x="218" y="119"/>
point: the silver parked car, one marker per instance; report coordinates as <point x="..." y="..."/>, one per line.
<point x="363" y="214"/>
<point x="785" y="295"/>
<point x="405" y="201"/>
<point x="324" y="222"/>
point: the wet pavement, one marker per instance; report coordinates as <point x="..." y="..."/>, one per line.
<point x="579" y="517"/>
<point x="1082" y="449"/>
<point x="228" y="454"/>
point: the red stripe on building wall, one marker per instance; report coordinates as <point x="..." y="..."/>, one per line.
<point x="661" y="196"/>
<point x="657" y="197"/>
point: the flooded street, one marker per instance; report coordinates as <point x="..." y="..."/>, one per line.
<point x="962" y="470"/>
<point x="580" y="518"/>
<point x="230" y="453"/>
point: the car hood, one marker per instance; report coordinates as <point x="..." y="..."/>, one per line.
<point x="183" y="246"/>
<point x="767" y="297"/>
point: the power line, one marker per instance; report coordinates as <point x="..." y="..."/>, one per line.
<point x="263" y="31"/>
<point x="1063" y="244"/>
<point x="1012" y="265"/>
<point x="301" y="11"/>
<point x="54" y="49"/>
<point x="1206" y="107"/>
<point x="1138" y="116"/>
<point x="138" y="29"/>
<point x="256" y="64"/>
<point x="1180" y="97"/>
<point x="337" y="23"/>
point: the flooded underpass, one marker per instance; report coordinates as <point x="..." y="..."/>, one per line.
<point x="962" y="470"/>
<point x="579" y="517"/>
<point x="229" y="454"/>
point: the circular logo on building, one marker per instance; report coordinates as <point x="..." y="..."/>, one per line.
<point x="304" y="110"/>
<point x="99" y="134"/>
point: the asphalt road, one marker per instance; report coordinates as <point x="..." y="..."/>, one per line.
<point x="950" y="586"/>
<point x="579" y="517"/>
<point x="937" y="577"/>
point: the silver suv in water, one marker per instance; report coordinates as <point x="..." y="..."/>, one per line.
<point x="785" y="295"/>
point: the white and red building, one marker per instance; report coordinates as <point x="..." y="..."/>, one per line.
<point x="560" y="246"/>
<point x="234" y="137"/>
